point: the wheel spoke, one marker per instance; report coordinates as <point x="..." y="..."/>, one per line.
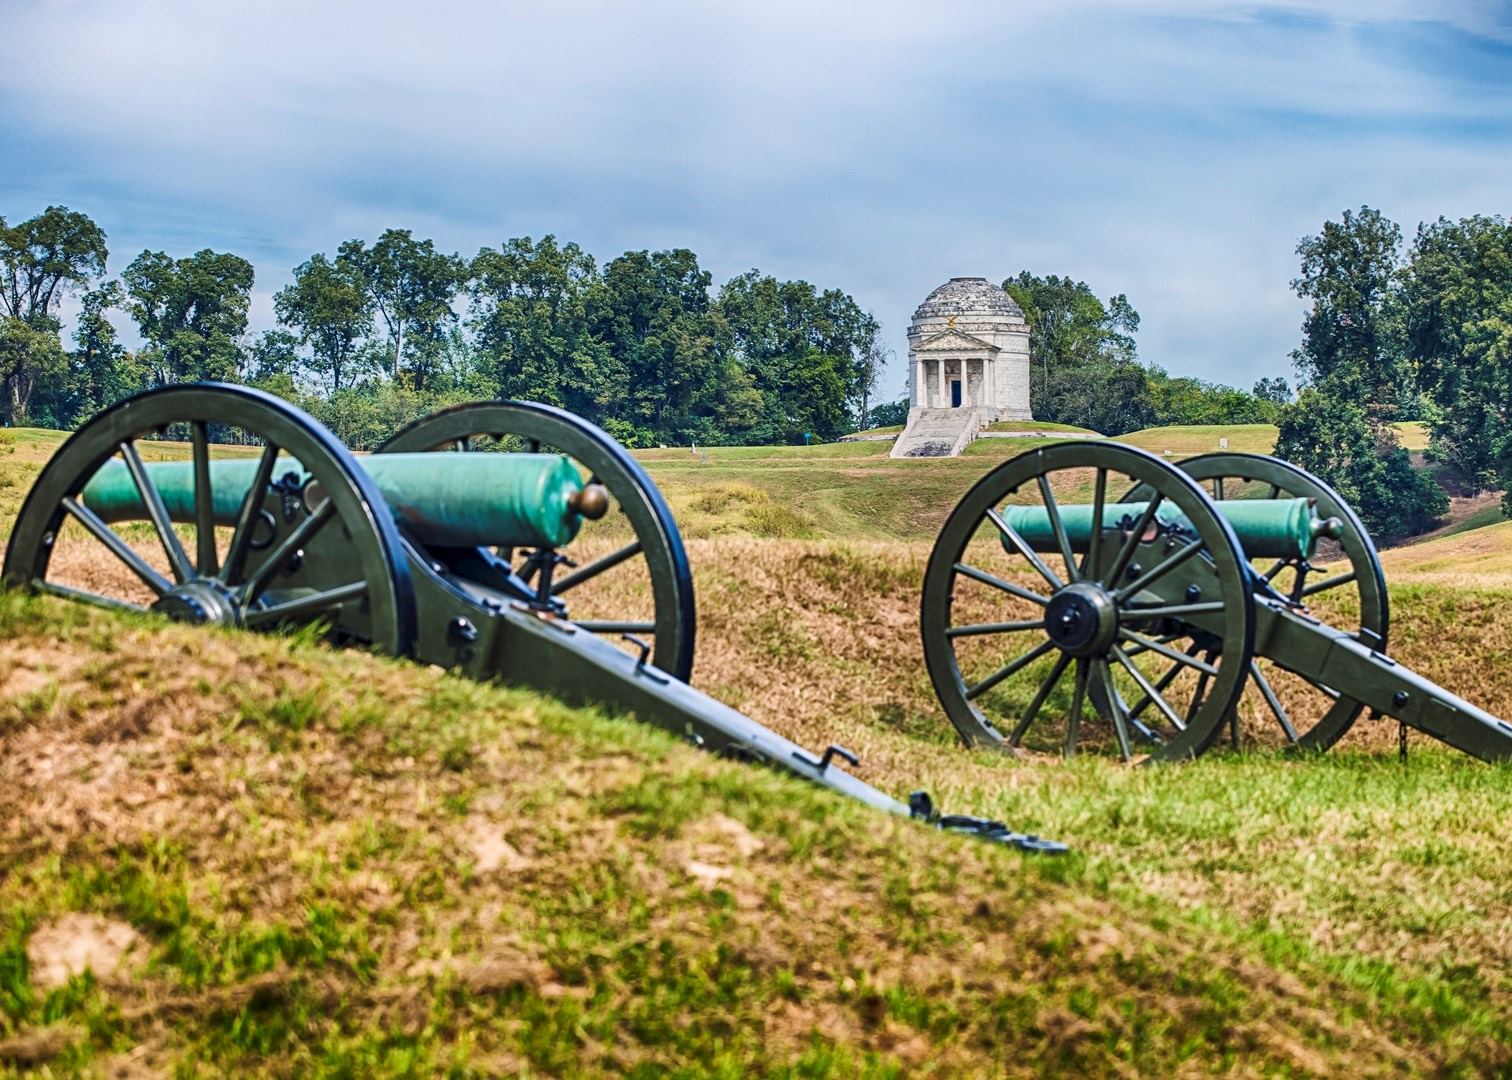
<point x="1012" y="536"/>
<point x="976" y="629"/>
<point x="86" y="597"/>
<point x="1131" y="542"/>
<point x="1217" y="489"/>
<point x="1159" y="570"/>
<point x="241" y="535"/>
<point x="306" y="605"/>
<point x="1058" y="527"/>
<point x="1166" y="651"/>
<point x="1046" y="688"/>
<point x="1199" y="694"/>
<point x="462" y="445"/>
<point x="204" y="502"/>
<point x="595" y="568"/>
<point x="153" y="501"/>
<point x="118" y="547"/>
<point x="1073" y="721"/>
<point x="605" y="626"/>
<point x="998" y="583"/>
<point x="1164" y="639"/>
<point x="1273" y="701"/>
<point x="1009" y="669"/>
<point x="1329" y="583"/>
<point x="1094" y="542"/>
<point x="1152" y="694"/>
<point x="1172" y="611"/>
<point x="1116" y="709"/>
<point x="260" y="578"/>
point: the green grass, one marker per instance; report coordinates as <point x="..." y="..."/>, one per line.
<point x="311" y="854"/>
<point x="1486" y="515"/>
<point x="1038" y="425"/>
<point x="1205" y="439"/>
<point x="1412" y="434"/>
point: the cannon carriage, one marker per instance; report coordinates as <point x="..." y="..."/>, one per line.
<point x="1091" y="596"/>
<point x="1083" y="596"/>
<point x="502" y="540"/>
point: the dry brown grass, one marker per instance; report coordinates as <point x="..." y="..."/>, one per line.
<point x="561" y="892"/>
<point x="575" y="895"/>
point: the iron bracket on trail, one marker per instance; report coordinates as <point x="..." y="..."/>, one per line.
<point x="446" y="545"/>
<point x="1169" y="599"/>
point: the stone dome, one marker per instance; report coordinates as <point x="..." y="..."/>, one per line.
<point x="968" y="296"/>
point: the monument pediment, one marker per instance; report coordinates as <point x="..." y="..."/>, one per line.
<point x="954" y="341"/>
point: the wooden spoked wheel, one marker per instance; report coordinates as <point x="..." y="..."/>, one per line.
<point x="278" y="561"/>
<point x="1343" y="581"/>
<point x="637" y="536"/>
<point x="1018" y="641"/>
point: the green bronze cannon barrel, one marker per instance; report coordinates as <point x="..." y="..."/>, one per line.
<point x="446" y="500"/>
<point x="1266" y="528"/>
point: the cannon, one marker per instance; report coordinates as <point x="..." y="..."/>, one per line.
<point x="1232" y="591"/>
<point x="501" y="540"/>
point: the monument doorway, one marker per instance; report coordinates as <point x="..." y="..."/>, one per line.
<point x="955" y="393"/>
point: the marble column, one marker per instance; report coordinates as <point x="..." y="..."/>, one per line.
<point x="944" y="400"/>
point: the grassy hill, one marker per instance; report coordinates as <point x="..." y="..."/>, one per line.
<point x="320" y="862"/>
<point x="328" y="862"/>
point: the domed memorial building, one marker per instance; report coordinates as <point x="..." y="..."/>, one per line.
<point x="968" y="366"/>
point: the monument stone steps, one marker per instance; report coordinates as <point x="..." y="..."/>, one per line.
<point x="937" y="433"/>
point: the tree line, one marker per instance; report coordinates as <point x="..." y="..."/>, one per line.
<point x="370" y="335"/>
<point x="1404" y="331"/>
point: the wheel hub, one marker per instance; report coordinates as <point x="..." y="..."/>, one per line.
<point x="199" y="602"/>
<point x="1082" y="619"/>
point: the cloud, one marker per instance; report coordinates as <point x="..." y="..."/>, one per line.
<point x="1174" y="152"/>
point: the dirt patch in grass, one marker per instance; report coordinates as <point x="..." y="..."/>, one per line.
<point x="75" y="943"/>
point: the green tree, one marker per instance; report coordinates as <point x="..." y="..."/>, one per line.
<point x="41" y="259"/>
<point x="104" y="372"/>
<point x="890" y="414"/>
<point x="1277" y="391"/>
<point x="1353" y="351"/>
<point x="1109" y="396"/>
<point x="1351" y="335"/>
<point x="1335" y="438"/>
<point x="812" y="355"/>
<point x="1458" y="299"/>
<point x="659" y="324"/>
<point x="29" y="356"/>
<point x="329" y="307"/>
<point x="1070" y="327"/>
<point x="1184" y="400"/>
<point x="44" y="257"/>
<point x="411" y="285"/>
<point x="274" y="358"/>
<point x="532" y="314"/>
<point x="191" y="312"/>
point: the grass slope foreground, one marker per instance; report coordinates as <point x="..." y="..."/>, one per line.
<point x="276" y="859"/>
<point x="284" y="860"/>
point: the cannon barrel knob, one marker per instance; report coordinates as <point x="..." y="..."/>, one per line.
<point x="1333" y="527"/>
<point x="592" y="502"/>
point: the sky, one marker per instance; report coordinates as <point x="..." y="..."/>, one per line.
<point x="1175" y="152"/>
